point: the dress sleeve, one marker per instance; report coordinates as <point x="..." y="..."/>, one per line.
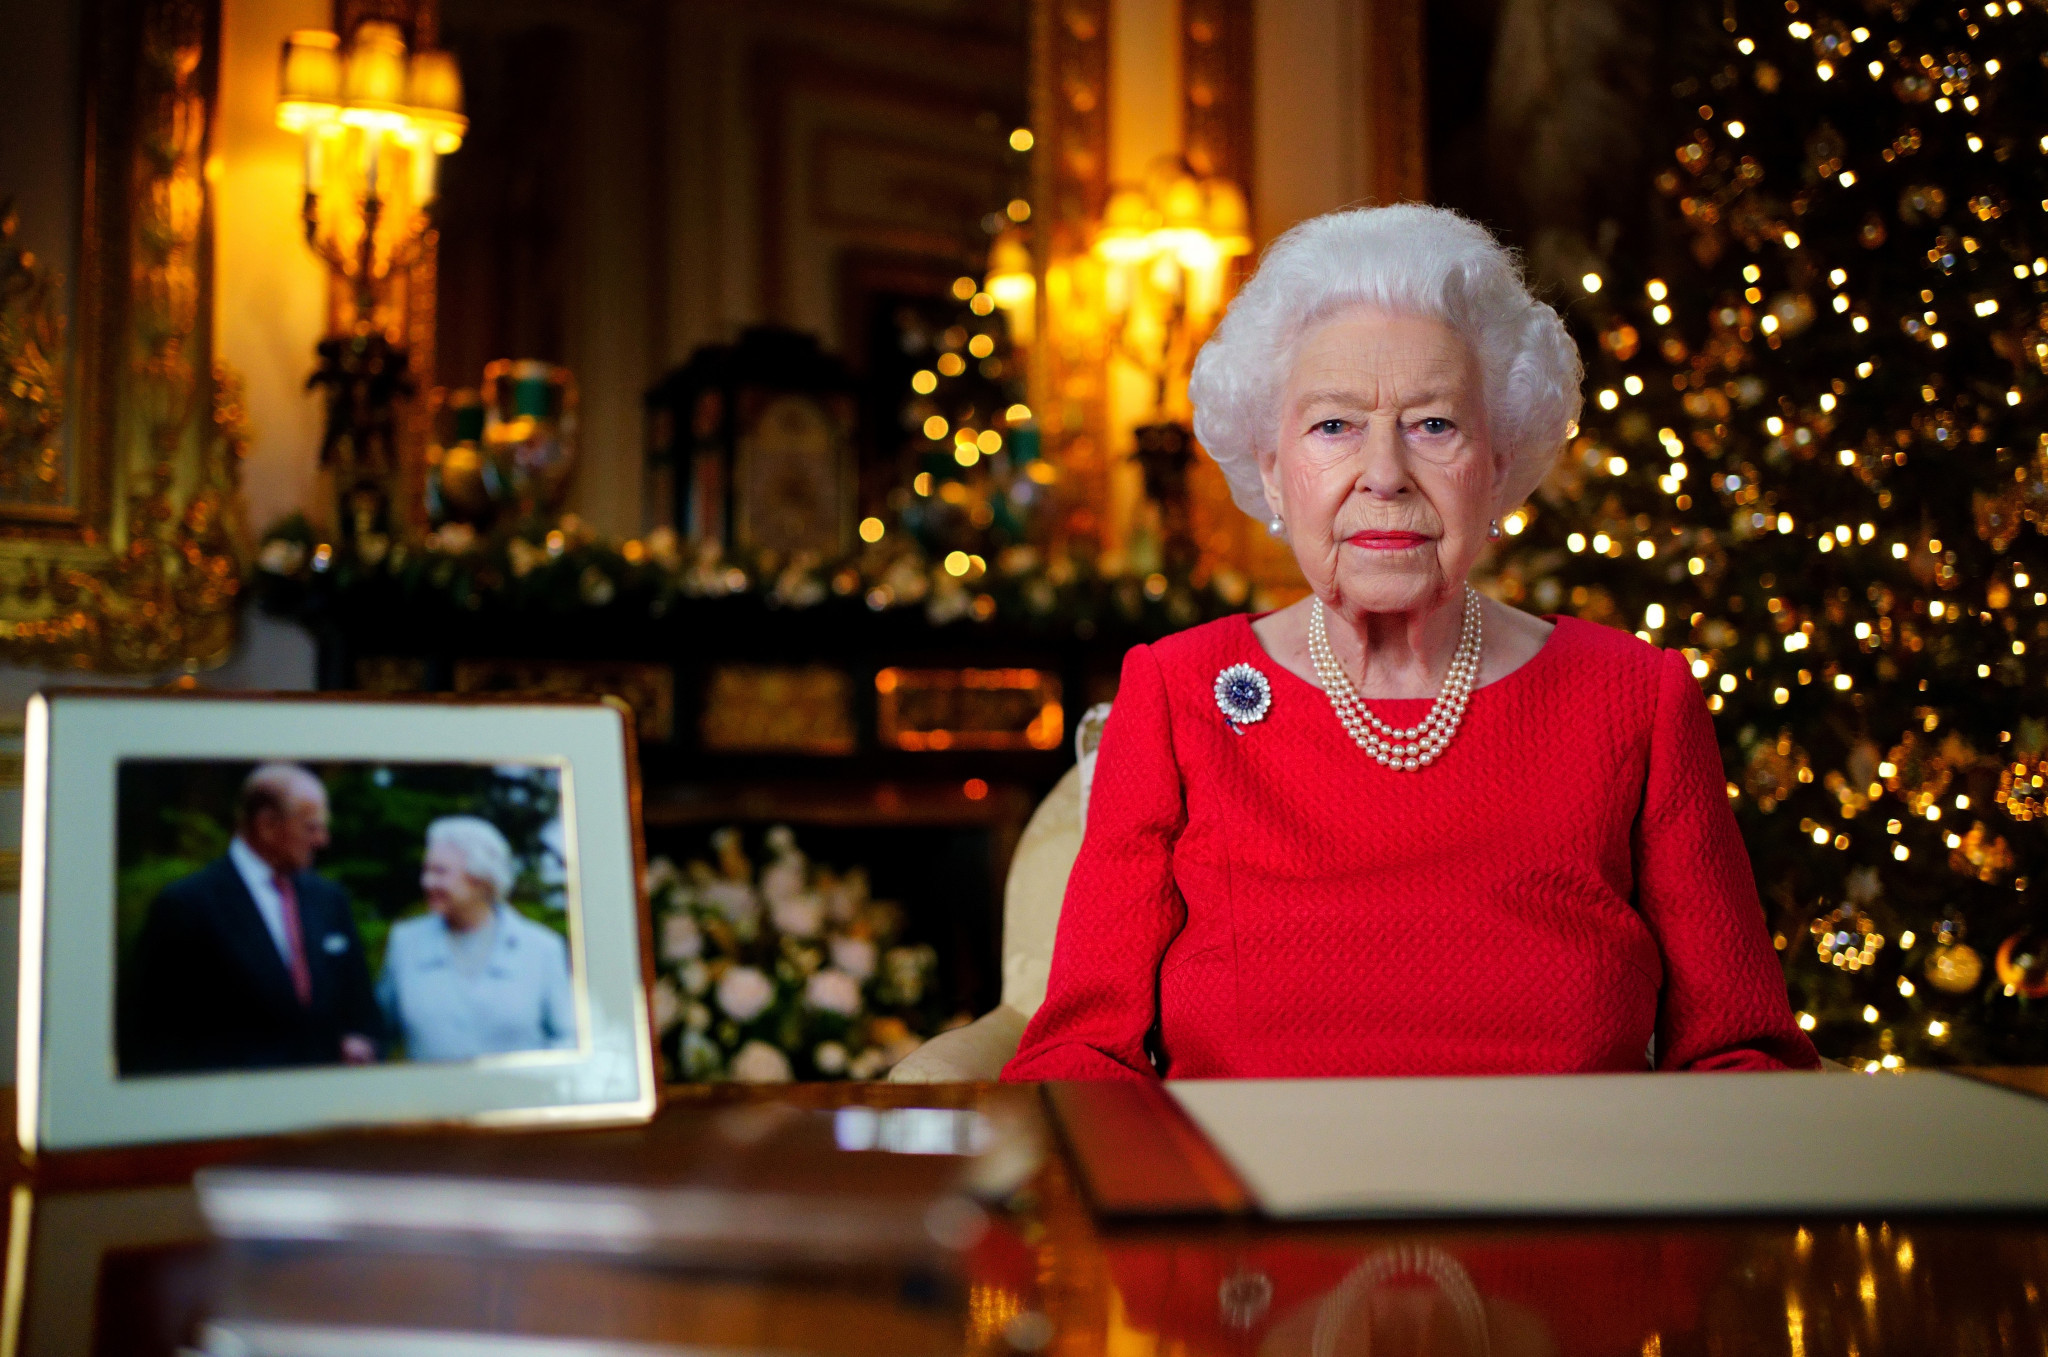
<point x="1122" y="906"/>
<point x="1723" y="1005"/>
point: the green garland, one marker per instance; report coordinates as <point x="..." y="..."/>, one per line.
<point x="563" y="569"/>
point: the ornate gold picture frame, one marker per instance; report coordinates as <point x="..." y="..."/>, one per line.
<point x="120" y="437"/>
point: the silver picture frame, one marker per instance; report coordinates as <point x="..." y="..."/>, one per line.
<point x="72" y="1091"/>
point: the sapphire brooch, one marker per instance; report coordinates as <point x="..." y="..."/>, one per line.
<point x="1242" y="695"/>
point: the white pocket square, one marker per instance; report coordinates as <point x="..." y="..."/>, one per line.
<point x="336" y="944"/>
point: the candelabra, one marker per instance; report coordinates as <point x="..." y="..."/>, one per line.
<point x="1165" y="246"/>
<point x="376" y="120"/>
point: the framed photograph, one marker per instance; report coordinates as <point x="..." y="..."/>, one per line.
<point x="248" y="915"/>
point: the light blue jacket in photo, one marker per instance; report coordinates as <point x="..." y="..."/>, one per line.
<point x="520" y="1001"/>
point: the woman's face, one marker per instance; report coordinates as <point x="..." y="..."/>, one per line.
<point x="459" y="898"/>
<point x="1382" y="468"/>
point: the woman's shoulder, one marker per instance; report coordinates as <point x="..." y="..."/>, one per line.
<point x="1215" y="642"/>
<point x="1605" y="663"/>
<point x="1160" y="678"/>
<point x="1601" y="642"/>
<point x="408" y="934"/>
<point x="531" y="931"/>
<point x="1159" y="675"/>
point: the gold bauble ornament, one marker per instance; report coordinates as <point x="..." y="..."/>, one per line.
<point x="2023" y="964"/>
<point x="1953" y="965"/>
<point x="1955" y="968"/>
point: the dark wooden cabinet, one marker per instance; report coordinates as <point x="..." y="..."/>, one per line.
<point x="915" y="750"/>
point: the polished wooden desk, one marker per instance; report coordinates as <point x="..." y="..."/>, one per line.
<point x="108" y="1255"/>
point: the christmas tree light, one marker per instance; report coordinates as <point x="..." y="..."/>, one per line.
<point x="1814" y="460"/>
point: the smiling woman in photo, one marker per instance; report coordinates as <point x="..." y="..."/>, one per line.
<point x="473" y="976"/>
<point x="1398" y="827"/>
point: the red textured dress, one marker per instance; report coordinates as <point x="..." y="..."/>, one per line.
<point x="1564" y="884"/>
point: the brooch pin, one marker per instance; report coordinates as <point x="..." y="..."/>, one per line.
<point x="1243" y="696"/>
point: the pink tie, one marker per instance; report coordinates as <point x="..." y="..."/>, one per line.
<point x="302" y="975"/>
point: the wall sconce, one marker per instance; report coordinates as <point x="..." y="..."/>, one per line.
<point x="1166" y="246"/>
<point x="376" y="122"/>
<point x="1013" y="286"/>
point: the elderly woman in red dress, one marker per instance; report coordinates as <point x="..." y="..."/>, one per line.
<point x="1399" y="828"/>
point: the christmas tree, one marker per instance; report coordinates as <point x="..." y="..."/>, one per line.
<point x="1813" y="459"/>
<point x="973" y="481"/>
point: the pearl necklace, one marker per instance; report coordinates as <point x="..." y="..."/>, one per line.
<point x="1418" y="745"/>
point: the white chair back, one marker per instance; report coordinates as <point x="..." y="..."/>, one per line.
<point x="1037" y="883"/>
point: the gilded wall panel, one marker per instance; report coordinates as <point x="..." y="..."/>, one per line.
<point x="118" y="553"/>
<point x="1070" y="97"/>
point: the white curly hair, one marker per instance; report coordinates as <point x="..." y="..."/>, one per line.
<point x="1408" y="259"/>
<point x="485" y="853"/>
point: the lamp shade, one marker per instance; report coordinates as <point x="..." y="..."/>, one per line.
<point x="309" y="80"/>
<point x="435" y="82"/>
<point x="1127" y="223"/>
<point x="1182" y="204"/>
<point x="434" y="90"/>
<point x="1008" y="259"/>
<point x="1012" y="284"/>
<point x="1230" y="219"/>
<point x="373" y="77"/>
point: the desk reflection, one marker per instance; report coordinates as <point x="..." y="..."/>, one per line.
<point x="129" y="1270"/>
<point x="1870" y="1289"/>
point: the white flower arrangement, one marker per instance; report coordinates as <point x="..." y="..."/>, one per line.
<point x="855" y="956"/>
<point x="800" y="916"/>
<point x="759" y="1063"/>
<point x="791" y="972"/>
<point x="833" y="991"/>
<point x="681" y="939"/>
<point x="744" y="993"/>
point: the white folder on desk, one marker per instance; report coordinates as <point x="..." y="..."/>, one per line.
<point x="1626" y="1144"/>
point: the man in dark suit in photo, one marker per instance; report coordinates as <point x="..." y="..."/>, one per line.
<point x="253" y="961"/>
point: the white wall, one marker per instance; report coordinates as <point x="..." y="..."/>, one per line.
<point x="1311" y="143"/>
<point x="269" y="290"/>
<point x="1145" y="85"/>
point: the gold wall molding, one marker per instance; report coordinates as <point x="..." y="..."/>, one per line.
<point x="33" y="472"/>
<point x="1070" y="114"/>
<point x="1216" y="88"/>
<point x="127" y="559"/>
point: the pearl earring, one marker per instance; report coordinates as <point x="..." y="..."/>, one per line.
<point x="1275" y="528"/>
<point x="1493" y="530"/>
